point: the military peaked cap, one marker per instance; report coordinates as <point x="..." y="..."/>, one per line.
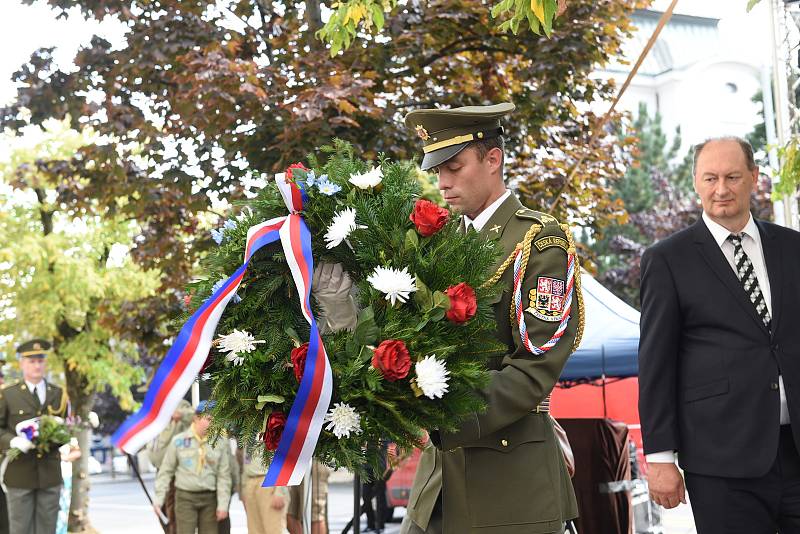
<point x="446" y="132"/>
<point x="35" y="348"/>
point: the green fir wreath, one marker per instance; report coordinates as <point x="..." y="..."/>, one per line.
<point x="255" y="387"/>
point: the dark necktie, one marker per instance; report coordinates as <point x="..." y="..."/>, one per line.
<point x="747" y="276"/>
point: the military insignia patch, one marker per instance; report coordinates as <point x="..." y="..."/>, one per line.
<point x="550" y="241"/>
<point x="422" y="132"/>
<point x="546" y="300"/>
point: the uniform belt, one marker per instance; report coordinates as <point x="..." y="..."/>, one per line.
<point x="198" y="492"/>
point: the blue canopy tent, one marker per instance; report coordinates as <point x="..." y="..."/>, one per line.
<point x="610" y="337"/>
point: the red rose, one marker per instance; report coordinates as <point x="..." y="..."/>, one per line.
<point x="463" y="303"/>
<point x="299" y="360"/>
<point x="274" y="430"/>
<point x="391" y="358"/>
<point x="428" y="217"/>
<point x="295" y="166"/>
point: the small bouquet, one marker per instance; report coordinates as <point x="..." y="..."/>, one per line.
<point x="44" y="432"/>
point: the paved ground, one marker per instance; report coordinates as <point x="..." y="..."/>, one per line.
<point x="120" y="507"/>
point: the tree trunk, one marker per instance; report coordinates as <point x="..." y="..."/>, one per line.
<point x="313" y="16"/>
<point x="81" y="403"/>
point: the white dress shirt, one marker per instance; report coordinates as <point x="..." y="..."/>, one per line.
<point x="751" y="243"/>
<point x="484" y="216"/>
<point x="39" y="388"/>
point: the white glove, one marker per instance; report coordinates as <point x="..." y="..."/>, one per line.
<point x="331" y="287"/>
<point x="21" y="443"/>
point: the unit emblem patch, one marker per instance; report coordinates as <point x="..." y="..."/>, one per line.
<point x="546" y="300"/>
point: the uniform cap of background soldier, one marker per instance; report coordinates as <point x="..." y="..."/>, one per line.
<point x="204" y="406"/>
<point x="35" y="348"/>
<point x="446" y="132"/>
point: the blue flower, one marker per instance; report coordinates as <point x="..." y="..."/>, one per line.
<point x="311" y="178"/>
<point x="221" y="282"/>
<point x="218" y="236"/>
<point x="328" y="188"/>
<point x="230" y="224"/>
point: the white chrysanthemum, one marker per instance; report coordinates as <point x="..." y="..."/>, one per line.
<point x="432" y="377"/>
<point x="343" y="420"/>
<point x="369" y="179"/>
<point x="343" y="223"/>
<point x="395" y="283"/>
<point x="237" y="343"/>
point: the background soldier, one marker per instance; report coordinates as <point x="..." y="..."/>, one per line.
<point x="265" y="507"/>
<point x="202" y="473"/>
<point x="502" y="472"/>
<point x="156" y="449"/>
<point x="33" y="479"/>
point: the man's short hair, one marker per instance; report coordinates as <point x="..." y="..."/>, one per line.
<point x="483" y="146"/>
<point x="747" y="150"/>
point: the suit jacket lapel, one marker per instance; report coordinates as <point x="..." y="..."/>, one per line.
<point x="27" y="396"/>
<point x="772" y="258"/>
<point x="713" y="255"/>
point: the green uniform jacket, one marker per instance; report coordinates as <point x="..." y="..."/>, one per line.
<point x="182" y="462"/>
<point x="503" y="471"/>
<point x="31" y="470"/>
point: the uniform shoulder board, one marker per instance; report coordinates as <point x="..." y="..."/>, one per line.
<point x="537" y="216"/>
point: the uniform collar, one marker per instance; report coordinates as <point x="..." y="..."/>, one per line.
<point x="483" y="217"/>
<point x="720" y="233"/>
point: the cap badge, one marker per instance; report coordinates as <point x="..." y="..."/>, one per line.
<point x="422" y="132"/>
<point x="37" y="346"/>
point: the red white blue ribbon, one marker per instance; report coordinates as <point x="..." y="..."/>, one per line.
<point x="562" y="325"/>
<point x="188" y="354"/>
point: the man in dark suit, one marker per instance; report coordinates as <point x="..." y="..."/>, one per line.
<point x="33" y="479"/>
<point x="719" y="357"/>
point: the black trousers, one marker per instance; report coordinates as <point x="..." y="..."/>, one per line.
<point x="762" y="505"/>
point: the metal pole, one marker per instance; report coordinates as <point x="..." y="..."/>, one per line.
<point x="356" y="504"/>
<point x="781" y="88"/>
<point x="772" y="139"/>
<point x="195" y="393"/>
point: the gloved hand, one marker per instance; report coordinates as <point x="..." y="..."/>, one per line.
<point x="331" y="286"/>
<point x="21" y="443"/>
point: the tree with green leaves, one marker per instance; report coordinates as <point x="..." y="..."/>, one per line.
<point x="65" y="276"/>
<point x="657" y="194"/>
<point x="203" y="96"/>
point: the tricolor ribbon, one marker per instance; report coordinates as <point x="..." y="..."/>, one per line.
<point x="562" y="325"/>
<point x="187" y="355"/>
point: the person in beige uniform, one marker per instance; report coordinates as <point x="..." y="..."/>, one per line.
<point x="156" y="449"/>
<point x="202" y="472"/>
<point x="266" y="507"/>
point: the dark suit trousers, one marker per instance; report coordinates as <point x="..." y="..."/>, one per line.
<point x="762" y="505"/>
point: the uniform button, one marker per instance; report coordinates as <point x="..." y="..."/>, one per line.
<point x="774" y="386"/>
<point x="504" y="442"/>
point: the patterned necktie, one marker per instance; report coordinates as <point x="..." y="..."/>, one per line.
<point x="747" y="276"/>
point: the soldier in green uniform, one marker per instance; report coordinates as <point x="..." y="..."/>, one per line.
<point x="33" y="479"/>
<point x="202" y="473"/>
<point x="503" y="471"/>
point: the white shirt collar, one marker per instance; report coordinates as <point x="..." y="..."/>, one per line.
<point x="484" y="216"/>
<point x="720" y="233"/>
<point x="32" y="387"/>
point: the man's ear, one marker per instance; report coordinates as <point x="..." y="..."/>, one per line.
<point x="495" y="159"/>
